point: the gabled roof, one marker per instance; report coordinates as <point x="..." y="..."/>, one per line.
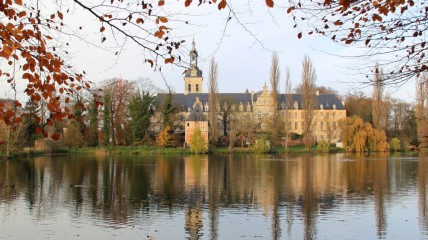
<point x="196" y="114"/>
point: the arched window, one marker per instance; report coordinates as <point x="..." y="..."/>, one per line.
<point x="197" y="87"/>
<point x="189" y="88"/>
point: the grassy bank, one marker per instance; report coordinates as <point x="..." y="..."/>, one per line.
<point x="154" y="150"/>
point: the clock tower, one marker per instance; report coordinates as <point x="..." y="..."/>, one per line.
<point x="193" y="76"/>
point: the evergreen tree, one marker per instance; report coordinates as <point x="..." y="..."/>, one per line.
<point x="93" y="123"/>
<point x="106" y="119"/>
<point x="140" y="109"/>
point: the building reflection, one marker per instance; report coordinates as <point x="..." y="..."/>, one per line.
<point x="289" y="190"/>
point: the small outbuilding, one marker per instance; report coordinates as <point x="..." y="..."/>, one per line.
<point x="196" y="120"/>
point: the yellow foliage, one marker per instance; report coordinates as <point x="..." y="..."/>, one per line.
<point x="163" y="137"/>
<point x="360" y="136"/>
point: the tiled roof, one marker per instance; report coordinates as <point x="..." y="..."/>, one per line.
<point x="196" y="114"/>
<point x="187" y="101"/>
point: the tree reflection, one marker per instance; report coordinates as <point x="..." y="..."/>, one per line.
<point x="291" y="190"/>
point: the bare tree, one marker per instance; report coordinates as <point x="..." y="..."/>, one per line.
<point x="421" y="110"/>
<point x="308" y="99"/>
<point x="378" y="106"/>
<point x="274" y="82"/>
<point x="288" y="99"/>
<point x="212" y="101"/>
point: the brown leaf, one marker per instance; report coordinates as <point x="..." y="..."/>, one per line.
<point x="299" y="35"/>
<point x="19" y="2"/>
<point x="102" y="29"/>
<point x="140" y="20"/>
<point x="56" y="136"/>
<point x="163" y="19"/>
<point x="187" y="3"/>
<point x="269" y="3"/>
<point x="161" y="3"/>
<point x="169" y="60"/>
<point x="39" y="130"/>
<point x="222" y="4"/>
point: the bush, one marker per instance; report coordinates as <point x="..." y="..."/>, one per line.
<point x="197" y="143"/>
<point x="323" y="146"/>
<point x="262" y="145"/>
<point x="394" y="144"/>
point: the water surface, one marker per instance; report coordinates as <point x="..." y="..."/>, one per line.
<point x="214" y="197"/>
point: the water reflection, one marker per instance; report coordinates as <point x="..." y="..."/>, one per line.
<point x="283" y="197"/>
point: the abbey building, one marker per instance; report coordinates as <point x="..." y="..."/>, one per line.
<point x="248" y="113"/>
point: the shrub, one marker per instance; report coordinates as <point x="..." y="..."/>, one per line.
<point x="262" y="145"/>
<point x="197" y="143"/>
<point x="323" y="146"/>
<point x="394" y="144"/>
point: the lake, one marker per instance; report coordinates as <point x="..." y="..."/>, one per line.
<point x="337" y="196"/>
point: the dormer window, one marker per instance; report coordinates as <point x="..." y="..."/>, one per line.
<point x="321" y="106"/>
<point x="334" y="106"/>
<point x="296" y="105"/>
<point x="189" y="109"/>
<point x="283" y="105"/>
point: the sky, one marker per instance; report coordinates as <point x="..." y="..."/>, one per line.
<point x="243" y="52"/>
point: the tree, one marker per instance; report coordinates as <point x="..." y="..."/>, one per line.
<point x="120" y="92"/>
<point x="394" y="144"/>
<point x="360" y="136"/>
<point x="358" y="104"/>
<point x="391" y="30"/>
<point x="378" y="105"/>
<point x="287" y="117"/>
<point x="197" y="142"/>
<point x="93" y="121"/>
<point x="213" y="101"/>
<point x="274" y="82"/>
<point x="421" y="110"/>
<point x="72" y="136"/>
<point x="308" y="99"/>
<point x="106" y="118"/>
<point x="141" y="112"/>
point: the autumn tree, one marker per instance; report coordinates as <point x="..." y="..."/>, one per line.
<point x="274" y="82"/>
<point x="360" y="136"/>
<point x="120" y="92"/>
<point x="393" y="31"/>
<point x="360" y="105"/>
<point x="213" y="101"/>
<point x="308" y="100"/>
<point x="197" y="143"/>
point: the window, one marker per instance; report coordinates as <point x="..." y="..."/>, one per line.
<point x="189" y="88"/>
<point x="197" y="87"/>
<point x="334" y="125"/>
<point x="259" y="115"/>
<point x="322" y="126"/>
<point x="295" y="115"/>
<point x="303" y="125"/>
<point x="295" y="125"/>
<point x="203" y="127"/>
<point x="188" y="124"/>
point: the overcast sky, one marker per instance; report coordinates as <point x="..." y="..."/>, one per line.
<point x="243" y="62"/>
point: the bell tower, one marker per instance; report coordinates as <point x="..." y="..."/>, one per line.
<point x="193" y="76"/>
